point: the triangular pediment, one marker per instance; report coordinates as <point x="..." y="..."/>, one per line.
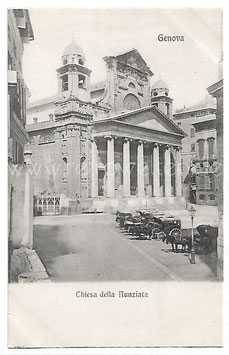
<point x="153" y="124"/>
<point x="152" y="119"/>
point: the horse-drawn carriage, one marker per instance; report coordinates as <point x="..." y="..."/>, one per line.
<point x="147" y="224"/>
<point x="204" y="239"/>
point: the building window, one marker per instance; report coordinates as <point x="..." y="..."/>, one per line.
<point x="193" y="179"/>
<point x="81" y="62"/>
<point x="82" y="82"/>
<point x="193" y="147"/>
<point x="155" y="93"/>
<point x="212" y="181"/>
<point x="207" y="182"/>
<point x="64" y="79"/>
<point x="168" y="109"/>
<point x="192" y="132"/>
<point x="131" y="85"/>
<point x="182" y="165"/>
<point x="10" y="62"/>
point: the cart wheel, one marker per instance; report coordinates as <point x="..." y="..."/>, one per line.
<point x="175" y="231"/>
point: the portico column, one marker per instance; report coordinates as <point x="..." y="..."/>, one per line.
<point x="126" y="167"/>
<point x="94" y="169"/>
<point x="110" y="167"/>
<point x="140" y="168"/>
<point x="156" y="171"/>
<point x="167" y="172"/>
<point x="178" y="177"/>
<point x="205" y="149"/>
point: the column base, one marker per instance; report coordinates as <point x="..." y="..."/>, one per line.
<point x="132" y="203"/>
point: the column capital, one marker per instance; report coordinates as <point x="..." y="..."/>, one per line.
<point x="109" y="137"/>
<point x="177" y="148"/>
<point x="167" y="146"/>
<point x="155" y="145"/>
<point x="140" y="142"/>
<point x="126" y="139"/>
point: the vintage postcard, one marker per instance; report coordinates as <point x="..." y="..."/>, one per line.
<point x="115" y="177"/>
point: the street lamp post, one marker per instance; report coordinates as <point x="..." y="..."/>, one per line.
<point x="192" y="213"/>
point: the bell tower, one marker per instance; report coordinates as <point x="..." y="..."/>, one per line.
<point x="73" y="75"/>
<point x="160" y="98"/>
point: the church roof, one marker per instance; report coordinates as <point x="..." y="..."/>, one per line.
<point x="160" y="84"/>
<point x="73" y="48"/>
<point x="98" y="85"/>
<point x="42" y="102"/>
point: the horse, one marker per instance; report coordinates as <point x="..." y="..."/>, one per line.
<point x="175" y="238"/>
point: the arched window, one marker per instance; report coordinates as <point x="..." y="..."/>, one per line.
<point x="82" y="82"/>
<point x="64" y="80"/>
<point x="131" y="85"/>
<point x="81" y="62"/>
<point x="131" y="102"/>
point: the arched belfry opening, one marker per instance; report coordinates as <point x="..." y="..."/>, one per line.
<point x="73" y="76"/>
<point x="160" y="97"/>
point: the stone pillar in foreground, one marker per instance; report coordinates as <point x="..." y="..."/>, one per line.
<point x="126" y="167"/>
<point x="156" y="171"/>
<point x="140" y="168"/>
<point x="167" y="171"/>
<point x="94" y="168"/>
<point x="110" y="167"/>
<point x="178" y="177"/>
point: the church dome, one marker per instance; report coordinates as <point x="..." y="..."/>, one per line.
<point x="159" y="84"/>
<point x="73" y="48"/>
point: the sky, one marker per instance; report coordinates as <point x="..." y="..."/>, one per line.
<point x="187" y="67"/>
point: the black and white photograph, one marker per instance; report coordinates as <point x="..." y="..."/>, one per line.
<point x="115" y="155"/>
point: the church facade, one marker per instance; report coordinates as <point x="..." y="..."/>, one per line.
<point x="109" y="145"/>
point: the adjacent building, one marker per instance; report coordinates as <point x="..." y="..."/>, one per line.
<point x="216" y="90"/>
<point x="103" y="144"/>
<point x="19" y="32"/>
<point x="204" y="166"/>
<point x="20" y="189"/>
<point x="196" y="145"/>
